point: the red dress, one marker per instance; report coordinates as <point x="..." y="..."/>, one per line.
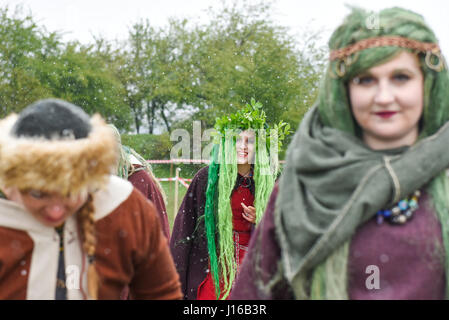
<point x="241" y="233"/>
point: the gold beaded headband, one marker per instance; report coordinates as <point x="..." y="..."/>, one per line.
<point x="349" y="54"/>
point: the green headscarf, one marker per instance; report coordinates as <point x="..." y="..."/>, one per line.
<point x="333" y="100"/>
<point x="335" y="181"/>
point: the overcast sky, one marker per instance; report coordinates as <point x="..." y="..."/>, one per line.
<point x="80" y="19"/>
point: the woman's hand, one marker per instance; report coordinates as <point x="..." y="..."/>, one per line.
<point x="249" y="213"/>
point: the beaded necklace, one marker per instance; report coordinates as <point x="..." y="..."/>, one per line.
<point x="401" y="212"/>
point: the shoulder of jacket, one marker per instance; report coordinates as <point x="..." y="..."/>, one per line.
<point x="111" y="197"/>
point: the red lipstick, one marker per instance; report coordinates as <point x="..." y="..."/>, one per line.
<point x="386" y="114"/>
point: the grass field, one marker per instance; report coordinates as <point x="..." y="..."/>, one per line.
<point x="167" y="171"/>
<point x="169" y="188"/>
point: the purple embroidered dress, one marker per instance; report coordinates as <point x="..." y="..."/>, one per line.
<point x="409" y="259"/>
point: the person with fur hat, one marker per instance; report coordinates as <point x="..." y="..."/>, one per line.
<point x="68" y="228"/>
<point x="361" y="208"/>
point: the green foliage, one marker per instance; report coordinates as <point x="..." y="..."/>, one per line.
<point x="80" y="76"/>
<point x="166" y="76"/>
<point x="280" y="132"/>
<point x="149" y="146"/>
<point x="22" y="46"/>
<point x="243" y="54"/>
<point x="35" y="64"/>
<point x="152" y="146"/>
<point x="210" y="70"/>
<point x="157" y="77"/>
<point x="252" y="117"/>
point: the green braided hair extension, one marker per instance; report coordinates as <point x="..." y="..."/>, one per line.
<point x="226" y="182"/>
<point x="325" y="285"/>
<point x="264" y="175"/>
<point x="209" y="213"/>
<point x="439" y="190"/>
<point x="329" y="279"/>
<point x="223" y="172"/>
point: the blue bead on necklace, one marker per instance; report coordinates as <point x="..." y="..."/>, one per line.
<point x="401" y="212"/>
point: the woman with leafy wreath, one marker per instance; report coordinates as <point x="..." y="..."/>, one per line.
<point x="223" y="203"/>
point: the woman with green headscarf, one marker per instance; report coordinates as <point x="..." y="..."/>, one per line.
<point x="225" y="200"/>
<point x="361" y="210"/>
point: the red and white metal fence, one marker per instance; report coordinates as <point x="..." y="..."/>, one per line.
<point x="187" y="161"/>
<point x="179" y="161"/>
<point x="181" y="180"/>
<point x="178" y="178"/>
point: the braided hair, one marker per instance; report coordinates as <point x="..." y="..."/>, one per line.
<point x="86" y="223"/>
